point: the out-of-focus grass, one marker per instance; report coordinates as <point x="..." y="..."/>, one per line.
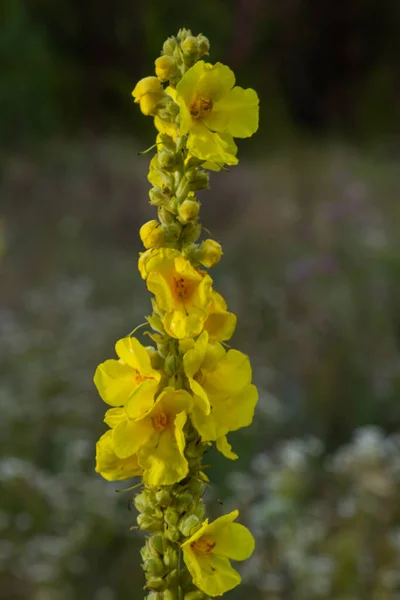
<point x="312" y="269"/>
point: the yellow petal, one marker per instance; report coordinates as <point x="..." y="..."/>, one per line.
<point x="166" y="127"/>
<point x="129" y="436"/>
<point x="163" y="461"/>
<point x="114" y="381"/>
<point x="158" y="285"/>
<point x="209" y="146"/>
<point x="193" y="359"/>
<point x="230" y="376"/>
<point x="220" y="325"/>
<point x="171" y="402"/>
<point x="114" y="416"/>
<point x="225" y="448"/>
<point x="131" y="351"/>
<point x="212" y="574"/>
<point x="110" y="466"/>
<point x="216" y="81"/>
<point x="236" y="113"/>
<point x="180" y="324"/>
<point x="234" y="541"/>
<point x="200" y="397"/>
<point x="142" y="399"/>
<point x="236" y="411"/>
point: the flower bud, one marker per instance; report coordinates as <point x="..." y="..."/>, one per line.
<point x="183" y="188"/>
<point x="147" y="85"/>
<point x="152" y="234"/>
<point x="165" y="216"/>
<point x="171" y="364"/>
<point x="166" y="159"/>
<point x="198" y="180"/>
<point x="156" y="545"/>
<point x="189" y="525"/>
<point x="141" y="503"/>
<point x="190" y="46"/>
<point x="165" y="67"/>
<point x="149" y="523"/>
<point x="188" y="211"/>
<point x="203" y="45"/>
<point x="183" y="501"/>
<point x="154" y="566"/>
<point x="149" y="103"/>
<point x="169" y="595"/>
<point x="163" y="497"/>
<point x="173" y="232"/>
<point x="156" y="361"/>
<point x="157" y="197"/>
<point x="195" y="595"/>
<point x="172" y="533"/>
<point x="155" y="583"/>
<point x="190" y="233"/>
<point x="172" y="578"/>
<point x="155" y="596"/>
<point x="171" y="516"/>
<point x="169" y="45"/>
<point x="171" y="558"/>
<point x="210" y="253"/>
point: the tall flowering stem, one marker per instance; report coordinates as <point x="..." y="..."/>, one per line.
<point x="170" y="401"/>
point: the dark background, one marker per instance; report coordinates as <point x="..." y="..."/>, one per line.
<point x="309" y="223"/>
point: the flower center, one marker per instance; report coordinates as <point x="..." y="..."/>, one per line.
<point x="139" y="378"/>
<point x="200" y="107"/>
<point x="181" y="289"/>
<point x="160" y="422"/>
<point x="203" y="546"/>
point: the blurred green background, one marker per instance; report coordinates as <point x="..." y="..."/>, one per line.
<point x="310" y="226"/>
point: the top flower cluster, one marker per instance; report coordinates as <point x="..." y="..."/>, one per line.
<point x="201" y="101"/>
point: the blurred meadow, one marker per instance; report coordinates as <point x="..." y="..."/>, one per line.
<point x="310" y="226"/>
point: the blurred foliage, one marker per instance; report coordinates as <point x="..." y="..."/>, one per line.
<point x="318" y="65"/>
<point x="312" y="269"/>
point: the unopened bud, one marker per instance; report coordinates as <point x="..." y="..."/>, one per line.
<point x="147" y="85"/>
<point x="210" y="253"/>
<point x="171" y="516"/>
<point x="165" y="67"/>
<point x="165" y="216"/>
<point x="154" y="566"/>
<point x="155" y="596"/>
<point x="169" y="45"/>
<point x="152" y="234"/>
<point x="203" y="45"/>
<point x="171" y="558"/>
<point x="157" y="197"/>
<point x="149" y="103"/>
<point x="189" y="525"/>
<point x="190" y="233"/>
<point x="198" y="179"/>
<point x="195" y="595"/>
<point x="149" y="523"/>
<point x="183" y="501"/>
<point x="156" y="545"/>
<point x="172" y="578"/>
<point x="169" y="595"/>
<point x="188" y="211"/>
<point x="173" y="232"/>
<point x="163" y="497"/>
<point x="183" y="188"/>
<point x="171" y="364"/>
<point x="166" y="159"/>
<point x="189" y="46"/>
<point x="155" y="583"/>
<point x="156" y="361"/>
<point x="172" y="533"/>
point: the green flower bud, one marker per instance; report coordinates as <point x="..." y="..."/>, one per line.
<point x="188" y="211"/>
<point x="172" y="578"/>
<point x="167" y="179"/>
<point x="149" y="523"/>
<point x="190" y="233"/>
<point x="190" y="46"/>
<point x="189" y="525"/>
<point x="163" y="497"/>
<point x="173" y="232"/>
<point x="156" y="545"/>
<point x="155" y="596"/>
<point x="210" y="253"/>
<point x="183" y="501"/>
<point x="169" y="45"/>
<point x="166" y="159"/>
<point x="172" y="533"/>
<point x="203" y="45"/>
<point x="171" y="558"/>
<point x="154" y="566"/>
<point x="183" y="188"/>
<point x="169" y="595"/>
<point x="168" y="110"/>
<point x="141" y="503"/>
<point x="171" y="516"/>
<point x="165" y="67"/>
<point x="197" y="487"/>
<point x="156" y="361"/>
<point x="156" y="583"/>
<point x="195" y="595"/>
<point x="157" y="197"/>
<point x="165" y="216"/>
<point x="171" y="364"/>
<point x="199" y="509"/>
<point x="198" y="179"/>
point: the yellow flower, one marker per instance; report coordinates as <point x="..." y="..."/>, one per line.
<point x="224" y="397"/>
<point x="110" y="466"/>
<point x="148" y="92"/>
<point x="182" y="291"/>
<point x="220" y="323"/>
<point x="165" y="67"/>
<point x="156" y="436"/>
<point x="213" y="111"/>
<point x="207" y="553"/>
<point x="118" y="380"/>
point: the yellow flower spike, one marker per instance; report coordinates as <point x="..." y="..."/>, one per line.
<point x="152" y="234"/>
<point x="221" y="380"/>
<point x="207" y="553"/>
<point x="182" y="291"/>
<point x="211" y="108"/>
<point x="110" y="466"/>
<point x="210" y="253"/>
<point x="116" y="380"/>
<point x="220" y="323"/>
